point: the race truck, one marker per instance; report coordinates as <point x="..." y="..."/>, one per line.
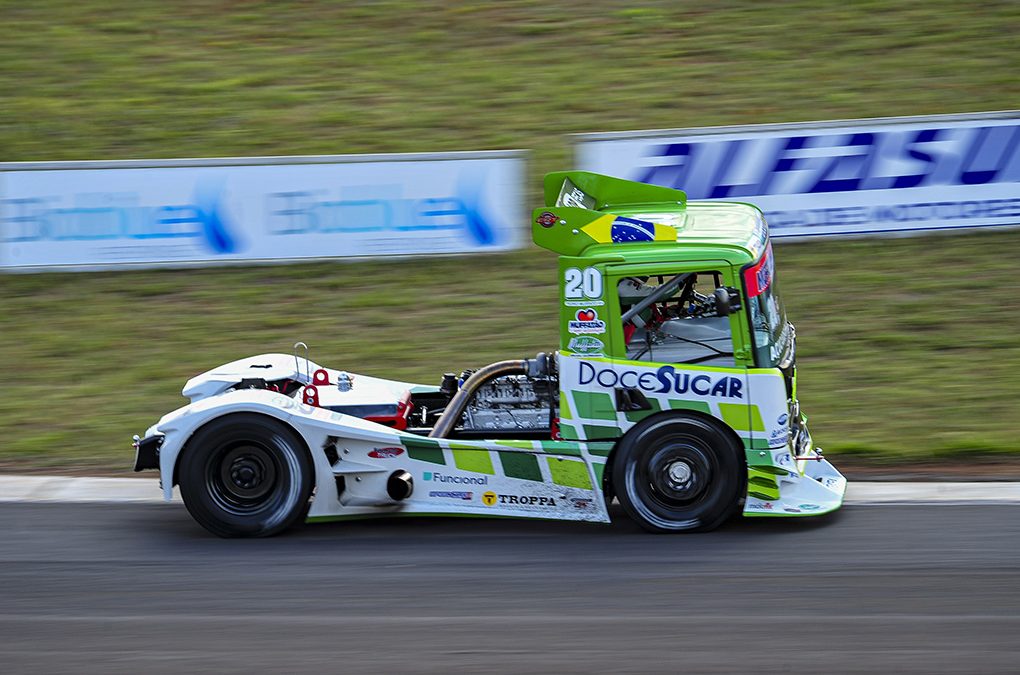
<point x="674" y="390"/>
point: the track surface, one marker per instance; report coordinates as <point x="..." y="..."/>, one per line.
<point x="140" y="588"/>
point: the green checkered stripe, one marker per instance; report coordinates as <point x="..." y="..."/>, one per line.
<point x="764" y="472"/>
<point x="593" y="415"/>
<point x="562" y="463"/>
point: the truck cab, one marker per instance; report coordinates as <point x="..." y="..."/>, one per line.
<point x="673" y="333"/>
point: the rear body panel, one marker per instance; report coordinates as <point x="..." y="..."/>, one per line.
<point x="529" y="479"/>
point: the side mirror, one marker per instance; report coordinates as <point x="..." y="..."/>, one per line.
<point x="727" y="301"/>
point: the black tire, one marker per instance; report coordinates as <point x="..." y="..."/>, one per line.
<point x="245" y="475"/>
<point x="679" y="474"/>
<point x="608" y="491"/>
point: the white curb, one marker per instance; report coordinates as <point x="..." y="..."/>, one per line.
<point x="932" y="493"/>
<point x="78" y="489"/>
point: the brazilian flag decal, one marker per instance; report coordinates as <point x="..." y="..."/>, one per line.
<point x="622" y="230"/>
<point x="625" y="230"/>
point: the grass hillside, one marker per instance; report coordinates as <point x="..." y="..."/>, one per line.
<point x="109" y="79"/>
<point x="908" y="346"/>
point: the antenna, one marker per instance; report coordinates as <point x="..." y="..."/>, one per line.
<point x="297" y="363"/>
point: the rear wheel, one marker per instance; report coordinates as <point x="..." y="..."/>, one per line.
<point x="679" y="474"/>
<point x="245" y="475"/>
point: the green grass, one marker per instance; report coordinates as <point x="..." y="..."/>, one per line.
<point x="110" y="79"/>
<point x="908" y="347"/>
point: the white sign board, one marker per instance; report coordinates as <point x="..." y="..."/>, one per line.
<point x="86" y="215"/>
<point x="904" y="174"/>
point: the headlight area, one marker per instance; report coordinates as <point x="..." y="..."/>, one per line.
<point x="147" y="452"/>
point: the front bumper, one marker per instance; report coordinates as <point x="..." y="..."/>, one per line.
<point x="807" y="485"/>
<point x="147" y="452"/>
<point x="794" y="480"/>
<point x="818" y="490"/>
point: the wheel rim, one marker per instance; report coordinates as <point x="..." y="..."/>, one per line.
<point x="243" y="477"/>
<point x="679" y="473"/>
<point x="670" y="483"/>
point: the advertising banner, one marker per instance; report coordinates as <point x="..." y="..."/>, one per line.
<point x="874" y="176"/>
<point x="89" y="215"/>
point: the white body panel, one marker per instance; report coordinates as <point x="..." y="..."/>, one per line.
<point x="505" y="478"/>
<point x="353" y="458"/>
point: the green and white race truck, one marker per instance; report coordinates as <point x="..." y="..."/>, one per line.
<point x="674" y="389"/>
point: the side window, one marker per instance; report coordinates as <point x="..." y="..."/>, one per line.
<point x="673" y="318"/>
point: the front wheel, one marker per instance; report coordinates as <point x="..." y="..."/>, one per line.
<point x="245" y="475"/>
<point x="679" y="474"/>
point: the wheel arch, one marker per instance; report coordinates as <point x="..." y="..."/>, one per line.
<point x="670" y="414"/>
<point x="236" y="413"/>
<point x="714" y="499"/>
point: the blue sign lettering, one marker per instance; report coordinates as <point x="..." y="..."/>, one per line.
<point x="837" y="162"/>
<point x="306" y="212"/>
<point x="922" y="212"/>
<point x="666" y="380"/>
<point x="117" y="216"/>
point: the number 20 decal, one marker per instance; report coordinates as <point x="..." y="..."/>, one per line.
<point x="586" y="283"/>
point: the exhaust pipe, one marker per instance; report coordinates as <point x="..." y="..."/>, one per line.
<point x="400" y="485"/>
<point x="448" y="420"/>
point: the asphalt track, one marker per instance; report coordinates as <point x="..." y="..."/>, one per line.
<point x="139" y="588"/>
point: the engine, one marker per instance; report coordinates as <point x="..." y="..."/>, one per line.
<point x="512" y="403"/>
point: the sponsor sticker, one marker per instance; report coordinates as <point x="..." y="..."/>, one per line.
<point x="665" y="380"/>
<point x="586" y="321"/>
<point x="385" y="453"/>
<point x="547" y="219"/>
<point x="781" y="435"/>
<point x="491" y="499"/>
<point x="586" y="345"/>
<point x="446" y="494"/>
<point x="571" y="195"/>
<point x="757" y="279"/>
<point x="809" y="507"/>
<point x="283" y="402"/>
<point x="760" y="506"/>
<point x="581" y="503"/>
<point x="453" y="478"/>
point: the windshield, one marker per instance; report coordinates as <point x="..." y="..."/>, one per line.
<point x="674" y="319"/>
<point x="768" y="317"/>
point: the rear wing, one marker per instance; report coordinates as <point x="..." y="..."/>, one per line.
<point x="574" y="216"/>
<point x="604" y="192"/>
